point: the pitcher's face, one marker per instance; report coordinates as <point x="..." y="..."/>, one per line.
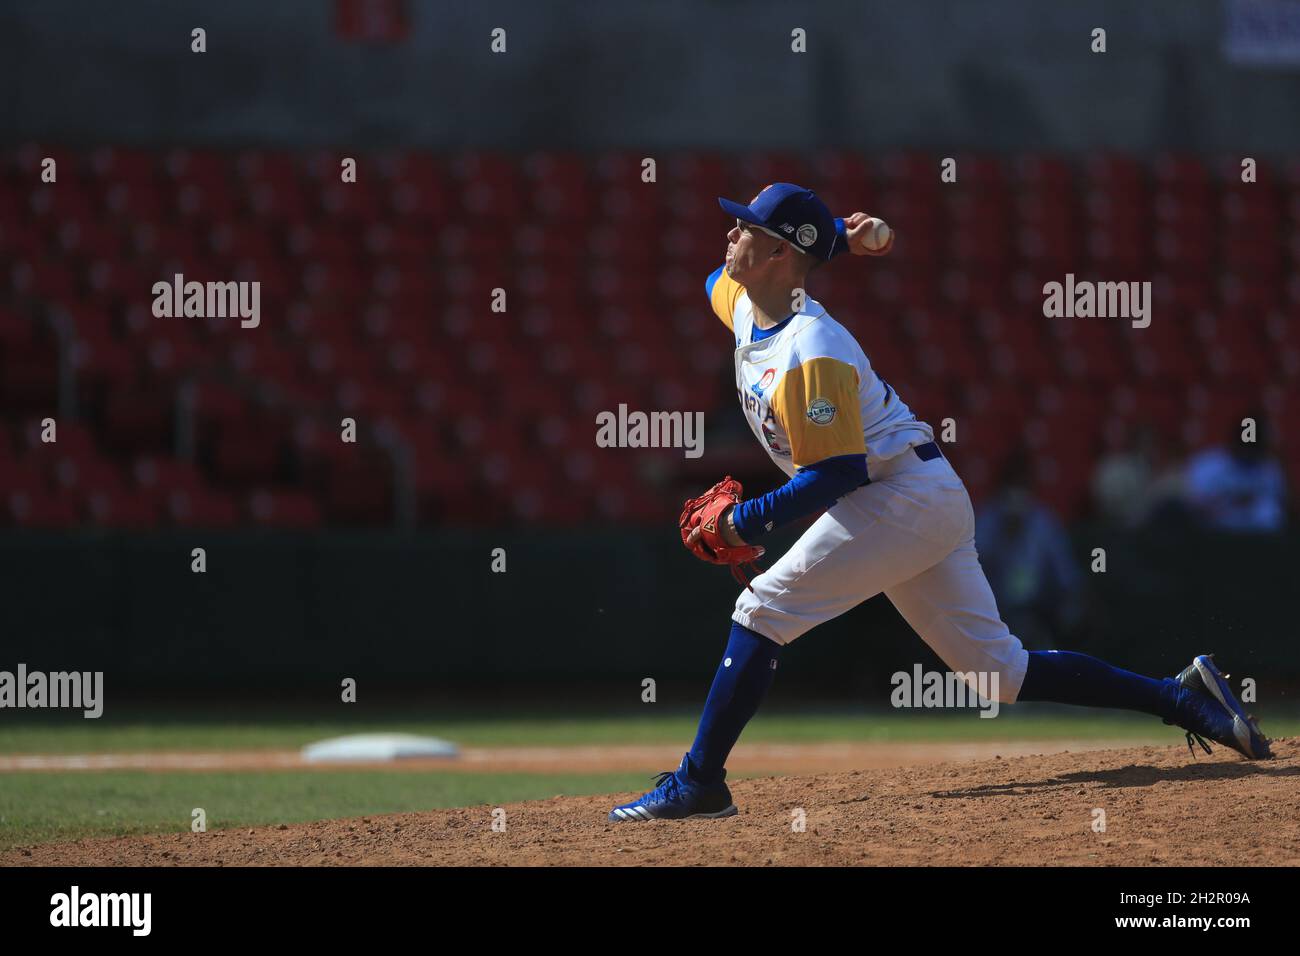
<point x="753" y="253"/>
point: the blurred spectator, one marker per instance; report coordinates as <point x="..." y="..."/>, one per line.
<point x="1026" y="556"/>
<point x="1140" y="480"/>
<point x="1238" y="487"/>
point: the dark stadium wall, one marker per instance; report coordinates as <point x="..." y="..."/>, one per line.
<point x="284" y="613"/>
<point x="875" y="75"/>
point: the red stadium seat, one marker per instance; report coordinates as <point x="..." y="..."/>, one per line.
<point x="376" y="305"/>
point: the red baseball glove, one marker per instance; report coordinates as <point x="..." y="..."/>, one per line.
<point x="705" y="513"/>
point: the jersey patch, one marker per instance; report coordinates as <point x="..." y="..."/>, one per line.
<point x="821" y="412"/>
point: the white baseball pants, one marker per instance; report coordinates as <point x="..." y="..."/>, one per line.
<point x="911" y="534"/>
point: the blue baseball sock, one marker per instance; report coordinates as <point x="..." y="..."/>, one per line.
<point x="742" y="680"/>
<point x="1067" y="677"/>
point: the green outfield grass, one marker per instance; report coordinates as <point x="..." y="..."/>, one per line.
<point x="57" y="807"/>
<point x="136" y="732"/>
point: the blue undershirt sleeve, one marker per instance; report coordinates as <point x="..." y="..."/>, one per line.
<point x="812" y="489"/>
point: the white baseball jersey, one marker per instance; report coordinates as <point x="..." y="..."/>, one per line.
<point x="809" y="391"/>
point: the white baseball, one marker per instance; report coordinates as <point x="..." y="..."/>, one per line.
<point x="877" y="235"/>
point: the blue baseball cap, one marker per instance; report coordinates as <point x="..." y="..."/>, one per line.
<point x="791" y="213"/>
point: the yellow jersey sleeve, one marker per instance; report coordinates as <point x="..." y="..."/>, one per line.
<point x="817" y="403"/>
<point x="723" y="295"/>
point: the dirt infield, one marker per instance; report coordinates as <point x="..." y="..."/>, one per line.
<point x="1161" y="806"/>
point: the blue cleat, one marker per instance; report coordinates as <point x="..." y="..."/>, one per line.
<point x="1207" y="707"/>
<point x="677" y="797"/>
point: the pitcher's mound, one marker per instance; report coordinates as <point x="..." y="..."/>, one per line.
<point x="1138" y="806"/>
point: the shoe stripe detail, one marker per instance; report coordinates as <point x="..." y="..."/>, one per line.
<point x="1243" y="734"/>
<point x="634" y="813"/>
<point x="638" y="813"/>
<point x="1241" y="728"/>
<point x="1211" y="680"/>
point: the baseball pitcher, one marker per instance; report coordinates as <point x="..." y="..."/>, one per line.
<point x="896" y="519"/>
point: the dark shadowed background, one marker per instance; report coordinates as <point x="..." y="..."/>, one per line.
<point x="522" y="171"/>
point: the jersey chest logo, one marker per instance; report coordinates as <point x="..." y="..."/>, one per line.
<point x="764" y="383"/>
<point x="754" y="405"/>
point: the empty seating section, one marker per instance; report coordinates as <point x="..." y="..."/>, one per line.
<point x="376" y="304"/>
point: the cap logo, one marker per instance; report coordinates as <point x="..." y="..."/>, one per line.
<point x="806" y="235"/>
